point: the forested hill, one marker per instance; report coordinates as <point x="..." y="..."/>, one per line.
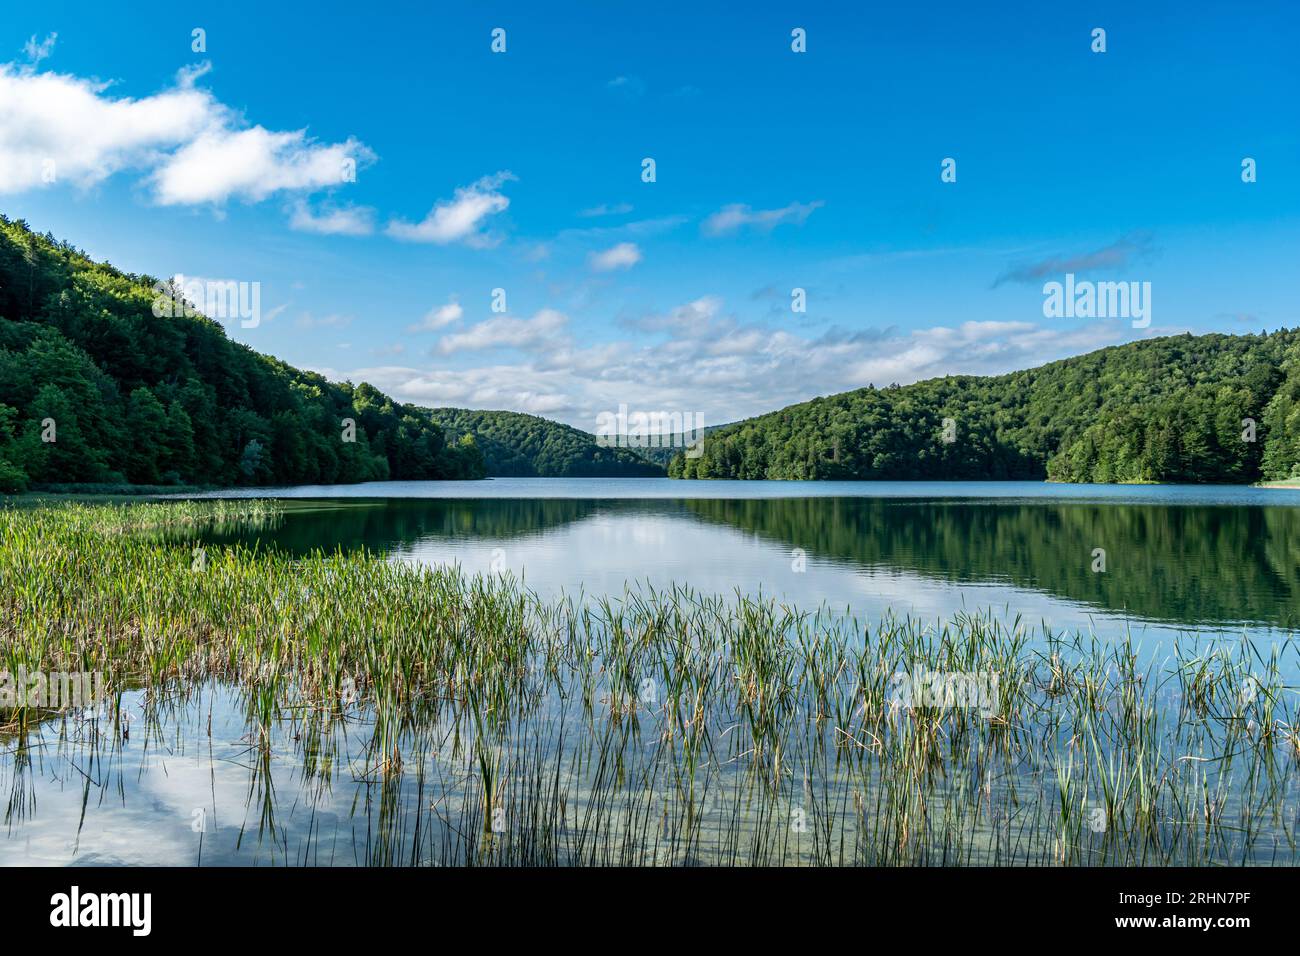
<point x="95" y="388"/>
<point x="1170" y="409"/>
<point x="514" y="444"/>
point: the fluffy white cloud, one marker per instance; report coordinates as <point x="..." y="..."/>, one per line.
<point x="252" y="164"/>
<point x="61" y="128"/>
<point x="737" y="216"/>
<point x="333" y="221"/>
<point x="439" y="317"/>
<point x="622" y="256"/>
<point x="683" y="319"/>
<point x="511" y="387"/>
<point x="507" y="332"/>
<point x="461" y="217"/>
<point x="696" y="357"/>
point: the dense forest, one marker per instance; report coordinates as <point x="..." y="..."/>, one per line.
<point x="1207" y="408"/>
<point x="94" y="388"/>
<point x="521" y="445"/>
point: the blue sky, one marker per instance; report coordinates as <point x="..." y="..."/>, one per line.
<point x="775" y="170"/>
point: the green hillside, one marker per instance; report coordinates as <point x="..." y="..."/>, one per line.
<point x="520" y="445"/>
<point x="1172" y="409"/>
<point x="94" y="388"/>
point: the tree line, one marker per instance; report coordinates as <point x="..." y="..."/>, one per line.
<point x="95" y="388"/>
<point x="519" y="445"/>
<point x="1208" y="408"/>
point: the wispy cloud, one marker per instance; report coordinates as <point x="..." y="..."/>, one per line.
<point x="1119" y="254"/>
<point x="271" y="314"/>
<point x="622" y="256"/>
<point x="439" y="317"/>
<point x="461" y="218"/>
<point x="730" y="219"/>
<point x="681" y="320"/>
<point x="637" y="229"/>
<point x="618" y="209"/>
<point x="333" y="221"/>
<point x="507" y="332"/>
<point x="37" y="51"/>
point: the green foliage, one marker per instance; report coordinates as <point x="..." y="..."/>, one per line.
<point x="520" y="445"/>
<point x="13" y="479"/>
<point x="1170" y="409"/>
<point x="1282" y="422"/>
<point x="148" y="400"/>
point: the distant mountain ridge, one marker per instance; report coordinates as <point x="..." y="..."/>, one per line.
<point x="519" y="445"/>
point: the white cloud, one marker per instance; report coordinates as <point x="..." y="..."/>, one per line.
<point x="506" y="332"/>
<point x="498" y="386"/>
<point x="737" y="216"/>
<point x="332" y="220"/>
<point x="639" y="229"/>
<point x="439" y="317"/>
<point x="57" y="128"/>
<point x="252" y="164"/>
<point x="700" y="358"/>
<point x="39" y="51"/>
<point x="48" y="118"/>
<point x="459" y="218"/>
<point x="622" y="256"/>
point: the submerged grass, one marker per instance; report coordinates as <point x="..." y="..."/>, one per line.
<point x="655" y="727"/>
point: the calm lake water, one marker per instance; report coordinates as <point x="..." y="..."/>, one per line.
<point x="202" y="780"/>
<point x="1215" y="560"/>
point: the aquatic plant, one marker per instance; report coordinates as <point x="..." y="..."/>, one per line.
<point x="473" y="722"/>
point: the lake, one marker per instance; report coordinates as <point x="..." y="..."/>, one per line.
<point x="1205" y="559"/>
<point x="1153" y="622"/>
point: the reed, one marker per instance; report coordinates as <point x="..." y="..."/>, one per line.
<point x="468" y="721"/>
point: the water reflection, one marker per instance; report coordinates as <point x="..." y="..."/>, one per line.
<point x="687" y="732"/>
<point x="1178" y="565"/>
